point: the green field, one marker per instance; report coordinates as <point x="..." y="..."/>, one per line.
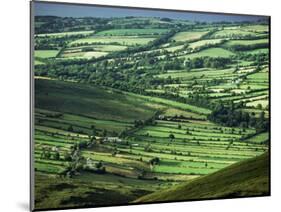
<point x="233" y="33"/>
<point x="125" y="32"/>
<point x="201" y="43"/>
<point x="147" y="109"/>
<point x="63" y="34"/>
<point x="188" y="36"/>
<point x="211" y="52"/>
<point x="256" y="28"/>
<point x="121" y="40"/>
<point x="46" y="53"/>
<point x="107" y="104"/>
<point x="246" y="178"/>
<point x="246" y="42"/>
<point x="89" y="54"/>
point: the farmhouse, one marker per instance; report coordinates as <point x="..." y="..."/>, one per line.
<point x="90" y="162"/>
<point x="161" y="117"/>
<point x="112" y="139"/>
<point x="236" y="81"/>
<point x="55" y="149"/>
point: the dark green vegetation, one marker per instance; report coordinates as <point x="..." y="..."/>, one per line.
<point x="247" y="178"/>
<point x="128" y="106"/>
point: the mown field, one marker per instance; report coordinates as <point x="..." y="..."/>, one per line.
<point x="198" y="147"/>
<point x="122" y="112"/>
<point x="250" y="177"/>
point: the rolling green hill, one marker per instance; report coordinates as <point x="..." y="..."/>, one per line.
<point x="128" y="107"/>
<point x="91" y="101"/>
<point x="247" y="178"/>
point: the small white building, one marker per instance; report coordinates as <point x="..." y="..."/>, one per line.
<point x="55" y="149"/>
<point x="161" y="117"/>
<point x="112" y="139"/>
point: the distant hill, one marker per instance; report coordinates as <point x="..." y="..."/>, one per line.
<point x="247" y="178"/>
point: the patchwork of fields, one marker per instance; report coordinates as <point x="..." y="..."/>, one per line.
<point x="145" y="105"/>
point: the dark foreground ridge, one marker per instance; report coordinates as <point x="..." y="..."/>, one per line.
<point x="247" y="178"/>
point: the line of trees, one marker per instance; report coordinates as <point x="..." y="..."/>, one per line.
<point x="232" y="117"/>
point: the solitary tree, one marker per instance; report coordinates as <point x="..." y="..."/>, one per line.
<point x="57" y="155"/>
<point x="70" y="128"/>
<point x="172" y="137"/>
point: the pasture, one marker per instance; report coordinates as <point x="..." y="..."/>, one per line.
<point x="150" y="115"/>
<point x="188" y="36"/>
<point x="121" y="40"/>
<point x="233" y="33"/>
<point x="211" y="52"/>
<point x="63" y="34"/>
<point x="126" y="32"/>
<point x="201" y="43"/>
<point x="46" y="53"/>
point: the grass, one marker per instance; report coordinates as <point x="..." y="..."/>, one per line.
<point x="174" y="48"/>
<point x="263" y="103"/>
<point x="201" y="43"/>
<point x="203" y="160"/>
<point x="259" y="138"/>
<point x="189" y="156"/>
<point x="186" y="114"/>
<point x="178" y="105"/>
<point x="197" y="73"/>
<point x="84" y="54"/>
<point x="236" y="33"/>
<point x="257" y="51"/>
<point x="126" y="32"/>
<point x="92" y="102"/>
<point x="247" y="178"/>
<point x="79" y="122"/>
<point x="109" y="48"/>
<point x="63" y="34"/>
<point x="100" y="48"/>
<point x="46" y="53"/>
<point x="54" y="192"/>
<point x="37" y="62"/>
<point x="210" y="52"/>
<point x="256" y="28"/>
<point x="188" y="36"/>
<point x="121" y="40"/>
<point x="261" y="76"/>
<point x="245" y="42"/>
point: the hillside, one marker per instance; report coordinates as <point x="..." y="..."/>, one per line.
<point x="247" y="178"/>
<point x="128" y="106"/>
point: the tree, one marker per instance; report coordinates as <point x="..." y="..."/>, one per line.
<point x="154" y="161"/>
<point x="98" y="165"/>
<point x="93" y="130"/>
<point x="67" y="156"/>
<point x="47" y="154"/>
<point x="43" y="154"/>
<point x="70" y="128"/>
<point x="148" y="148"/>
<point x="104" y="133"/>
<point x="57" y="156"/>
<point x="171" y="137"/>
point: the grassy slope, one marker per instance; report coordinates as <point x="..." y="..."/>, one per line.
<point x="247" y="178"/>
<point x="101" y="103"/>
<point x="88" y="190"/>
<point x="90" y="101"/>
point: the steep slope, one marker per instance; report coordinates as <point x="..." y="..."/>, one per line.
<point x="247" y="178"/>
